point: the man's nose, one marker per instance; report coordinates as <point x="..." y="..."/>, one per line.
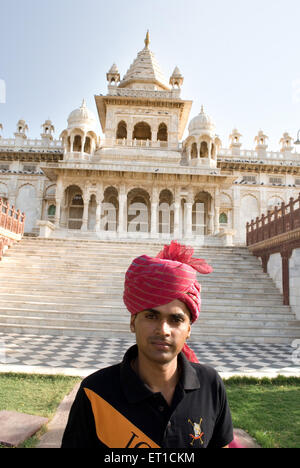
<point x="163" y="327"/>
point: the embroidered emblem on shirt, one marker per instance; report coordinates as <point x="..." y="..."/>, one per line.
<point x="198" y="434"/>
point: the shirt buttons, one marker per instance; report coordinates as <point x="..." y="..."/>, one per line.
<point x="161" y="408"/>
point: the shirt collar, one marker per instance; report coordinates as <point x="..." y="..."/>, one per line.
<point x="134" y="388"/>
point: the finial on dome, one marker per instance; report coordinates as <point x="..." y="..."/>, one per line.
<point x="202" y="109"/>
<point x="147" y="40"/>
<point x="83" y="103"/>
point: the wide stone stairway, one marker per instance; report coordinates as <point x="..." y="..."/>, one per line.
<point x="75" y="287"/>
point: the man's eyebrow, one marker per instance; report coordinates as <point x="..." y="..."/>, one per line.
<point x="152" y="310"/>
<point x="158" y="312"/>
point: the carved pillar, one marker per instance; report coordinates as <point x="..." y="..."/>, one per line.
<point x="85" y="216"/>
<point x="122" y="228"/>
<point x="154" y="207"/>
<point x="188" y="153"/>
<point x="83" y="139"/>
<point x="72" y="144"/>
<point x="57" y="211"/>
<point x="154" y="131"/>
<point x="217" y="210"/>
<point x="58" y="201"/>
<point x="177" y="215"/>
<point x="285" y="256"/>
<point x="100" y="194"/>
<point x="188" y="208"/>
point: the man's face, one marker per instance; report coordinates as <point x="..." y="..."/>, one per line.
<point x="162" y="331"/>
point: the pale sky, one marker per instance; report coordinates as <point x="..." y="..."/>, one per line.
<point x="239" y="58"/>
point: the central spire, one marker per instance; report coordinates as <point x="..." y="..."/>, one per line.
<point x="147" y="40"/>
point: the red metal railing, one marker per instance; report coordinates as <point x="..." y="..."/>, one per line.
<point x="283" y="219"/>
<point x="11" y="220"/>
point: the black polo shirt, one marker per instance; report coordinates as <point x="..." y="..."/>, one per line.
<point x="114" y="408"/>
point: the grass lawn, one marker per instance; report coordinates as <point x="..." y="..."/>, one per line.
<point x="268" y="409"/>
<point x="34" y="394"/>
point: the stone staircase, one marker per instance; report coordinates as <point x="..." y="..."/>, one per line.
<point x="74" y="287"/>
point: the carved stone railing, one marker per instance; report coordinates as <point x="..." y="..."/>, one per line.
<point x="12" y="223"/>
<point x="276" y="232"/>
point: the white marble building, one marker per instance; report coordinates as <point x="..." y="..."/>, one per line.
<point x="143" y="180"/>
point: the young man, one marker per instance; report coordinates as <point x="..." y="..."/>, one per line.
<point x="159" y="396"/>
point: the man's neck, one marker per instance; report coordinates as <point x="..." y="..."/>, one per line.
<point x="158" y="377"/>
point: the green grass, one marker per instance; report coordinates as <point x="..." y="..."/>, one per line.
<point x="268" y="409"/>
<point x="34" y="394"/>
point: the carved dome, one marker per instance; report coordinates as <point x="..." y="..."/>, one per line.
<point x="82" y="117"/>
<point x="202" y="123"/>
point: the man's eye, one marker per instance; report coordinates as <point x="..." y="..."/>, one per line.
<point x="177" y="319"/>
<point x="150" y="316"/>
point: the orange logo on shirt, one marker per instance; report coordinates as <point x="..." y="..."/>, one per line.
<point x="113" y="429"/>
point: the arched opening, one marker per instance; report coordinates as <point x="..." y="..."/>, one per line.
<point x="194" y="151"/>
<point x="142" y="131"/>
<point x="139" y="211"/>
<point x="51" y="211"/>
<point x="165" y="212"/>
<point x="110" y="210"/>
<point x="162" y="134"/>
<point x="121" y="130"/>
<point x="77" y="144"/>
<point x="223" y="218"/>
<point x="71" y="215"/>
<point x="200" y="210"/>
<point x="28" y="203"/>
<point x="203" y="150"/>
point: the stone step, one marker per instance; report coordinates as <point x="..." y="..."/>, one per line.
<point x="116" y="267"/>
<point x="212" y="287"/>
<point x="123" y="315"/>
<point x="129" y="243"/>
<point x="207" y="303"/>
<point x="253" y="330"/>
<point x="216" y="336"/>
<point x="56" y="252"/>
<point x="119" y="259"/>
<point x="112" y="309"/>
<point x="102" y="265"/>
<point x="63" y="287"/>
<point x="104" y="297"/>
<point x="90" y="273"/>
<point x="103" y="284"/>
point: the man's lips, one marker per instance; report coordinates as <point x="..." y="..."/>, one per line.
<point x="162" y="344"/>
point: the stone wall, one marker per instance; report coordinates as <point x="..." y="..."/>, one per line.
<point x="275" y="271"/>
<point x="295" y="282"/>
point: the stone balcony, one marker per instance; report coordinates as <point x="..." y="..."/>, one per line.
<point x="145" y="144"/>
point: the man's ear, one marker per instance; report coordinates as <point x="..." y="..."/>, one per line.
<point x="132" y="324"/>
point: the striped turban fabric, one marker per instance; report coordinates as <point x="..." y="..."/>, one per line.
<point x="152" y="282"/>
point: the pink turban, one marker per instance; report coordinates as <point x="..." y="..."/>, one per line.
<point x="152" y="282"/>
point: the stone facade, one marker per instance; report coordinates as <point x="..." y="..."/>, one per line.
<point x="142" y="180"/>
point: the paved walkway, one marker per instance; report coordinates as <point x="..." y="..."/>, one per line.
<point x="80" y="356"/>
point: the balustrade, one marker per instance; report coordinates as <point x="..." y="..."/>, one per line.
<point x="280" y="221"/>
<point x="11" y="221"/>
<point x="276" y="232"/>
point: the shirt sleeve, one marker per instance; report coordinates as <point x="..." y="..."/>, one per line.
<point x="223" y="430"/>
<point x="80" y="431"/>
